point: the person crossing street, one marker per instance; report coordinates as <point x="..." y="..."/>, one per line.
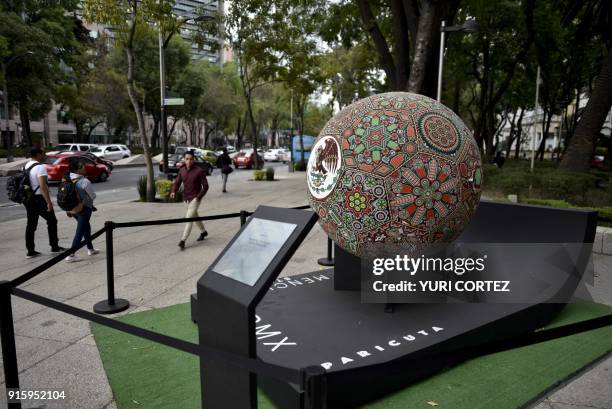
<point x="195" y="186"/>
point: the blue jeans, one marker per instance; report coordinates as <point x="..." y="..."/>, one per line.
<point x="83" y="229"/>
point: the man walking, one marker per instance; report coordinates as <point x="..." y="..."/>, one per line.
<point x="40" y="204"/>
<point x="195" y="187"/>
<point x="224" y="162"/>
<point x="78" y="176"/>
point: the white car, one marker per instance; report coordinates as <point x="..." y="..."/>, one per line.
<point x="110" y="152"/>
<point x="126" y="151"/>
<point x="284" y="156"/>
<point x="72" y="147"/>
<point x="274" y="155"/>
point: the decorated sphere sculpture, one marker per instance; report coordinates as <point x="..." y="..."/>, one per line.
<point x="394" y="168"/>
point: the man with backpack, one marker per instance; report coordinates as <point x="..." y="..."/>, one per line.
<point x="38" y="203"/>
<point x="80" y="192"/>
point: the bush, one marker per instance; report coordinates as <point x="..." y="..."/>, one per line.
<point x="142" y="188"/>
<point x="299" y="166"/>
<point x="269" y="173"/>
<point x="579" y="189"/>
<point x="259" y="174"/>
<point x="547" y="202"/>
<point x="164" y="187"/>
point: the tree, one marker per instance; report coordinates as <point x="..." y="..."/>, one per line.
<point x="39" y="37"/>
<point x="349" y="74"/>
<point x="403" y="33"/>
<point x="591" y="20"/>
<point x="577" y="158"/>
<point x="129" y="18"/>
<point x="272" y="43"/>
<point x="79" y="97"/>
<point x="146" y="74"/>
<point x="494" y="54"/>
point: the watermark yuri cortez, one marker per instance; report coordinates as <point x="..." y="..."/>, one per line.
<point x="480" y="272"/>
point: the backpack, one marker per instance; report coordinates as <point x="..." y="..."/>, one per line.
<point x="67" y="195"/>
<point x="18" y="186"/>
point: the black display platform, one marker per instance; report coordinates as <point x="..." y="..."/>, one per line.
<point x="308" y="320"/>
<point x="303" y="321"/>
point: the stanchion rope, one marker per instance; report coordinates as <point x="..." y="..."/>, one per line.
<point x="250" y="364"/>
<point x="50" y="263"/>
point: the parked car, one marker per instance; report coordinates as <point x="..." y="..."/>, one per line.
<point x="247" y="159"/>
<point x="176" y="162"/>
<point x="110" y="152"/>
<point x="93" y="157"/>
<point x="58" y="164"/>
<point x="72" y="147"/>
<point x="175" y="155"/>
<point x="285" y="156"/>
<point x="209" y="156"/>
<point x="597" y="161"/>
<point x="275" y="155"/>
<point x="126" y="151"/>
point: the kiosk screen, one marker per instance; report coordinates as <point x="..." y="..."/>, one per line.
<point x="251" y="253"/>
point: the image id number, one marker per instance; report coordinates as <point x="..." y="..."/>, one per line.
<point x="15" y="395"/>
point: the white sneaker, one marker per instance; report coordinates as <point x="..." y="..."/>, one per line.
<point x="92" y="252"/>
<point x="71" y="259"/>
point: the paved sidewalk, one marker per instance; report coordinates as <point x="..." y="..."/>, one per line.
<point x="57" y="351"/>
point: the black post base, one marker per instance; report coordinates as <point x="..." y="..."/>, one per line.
<point x="103" y="307"/>
<point x="328" y="262"/>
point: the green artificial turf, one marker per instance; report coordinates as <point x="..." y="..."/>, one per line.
<point x="144" y="374"/>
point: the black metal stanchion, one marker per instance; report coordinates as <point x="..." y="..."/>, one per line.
<point x="111" y="305"/>
<point x="243" y="217"/>
<point x="329" y="260"/>
<point x="314" y="388"/>
<point x="9" y="352"/>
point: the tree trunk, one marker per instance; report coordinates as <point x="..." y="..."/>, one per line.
<point x="386" y="59"/>
<point x="423" y="45"/>
<point x="548" y="113"/>
<point x="155" y="133"/>
<point x="239" y="134"/>
<point x="402" y="46"/>
<point x="511" y="135"/>
<point x="24" y="117"/>
<point x="578" y="155"/>
<point x="139" y="117"/>
<point x="519" y="133"/>
<point x="254" y="138"/>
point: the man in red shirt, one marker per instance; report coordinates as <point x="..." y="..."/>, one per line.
<point x="195" y="187"/>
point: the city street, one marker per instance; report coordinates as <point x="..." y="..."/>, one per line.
<point x="120" y="186"/>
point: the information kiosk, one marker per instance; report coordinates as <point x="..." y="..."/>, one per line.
<point x="230" y="290"/>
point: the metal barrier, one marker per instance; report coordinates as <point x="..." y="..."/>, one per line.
<point x="310" y="379"/>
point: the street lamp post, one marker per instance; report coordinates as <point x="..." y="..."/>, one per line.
<point x="162" y="81"/>
<point x="470" y="26"/>
<point x="9" y="157"/>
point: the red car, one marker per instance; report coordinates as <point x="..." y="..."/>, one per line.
<point x="247" y="160"/>
<point x="93" y="157"/>
<point x="57" y="167"/>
